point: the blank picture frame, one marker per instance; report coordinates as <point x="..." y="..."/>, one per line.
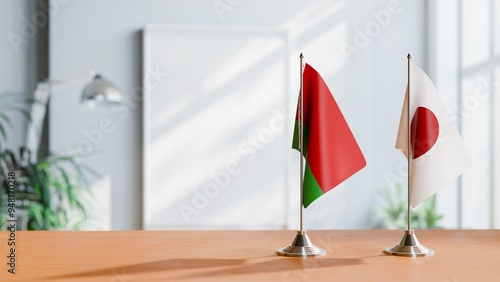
<point x="216" y="129"/>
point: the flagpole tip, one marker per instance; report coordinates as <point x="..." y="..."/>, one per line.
<point x="409" y="56"/>
<point x="301" y="56"/>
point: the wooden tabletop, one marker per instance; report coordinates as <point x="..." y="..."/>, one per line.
<point x="354" y="255"/>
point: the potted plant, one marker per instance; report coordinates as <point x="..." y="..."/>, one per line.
<point x="50" y="193"/>
<point x="393" y="212"/>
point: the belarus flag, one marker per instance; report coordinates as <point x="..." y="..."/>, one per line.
<point x="437" y="154"/>
<point x="331" y="151"/>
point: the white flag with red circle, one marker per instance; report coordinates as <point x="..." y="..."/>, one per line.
<point x="437" y="152"/>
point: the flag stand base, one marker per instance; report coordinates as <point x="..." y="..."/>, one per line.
<point x="409" y="247"/>
<point x="301" y="247"/>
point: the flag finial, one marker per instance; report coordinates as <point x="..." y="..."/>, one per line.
<point x="301" y="56"/>
<point x="409" y="56"/>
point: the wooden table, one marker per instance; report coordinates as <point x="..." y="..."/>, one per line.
<point x="461" y="255"/>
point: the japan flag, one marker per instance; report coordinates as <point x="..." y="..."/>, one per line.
<point x="437" y="153"/>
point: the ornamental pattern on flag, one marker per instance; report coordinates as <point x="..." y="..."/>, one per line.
<point x="330" y="149"/>
<point x="437" y="153"/>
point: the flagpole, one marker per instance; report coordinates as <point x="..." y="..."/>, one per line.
<point x="409" y="246"/>
<point x="301" y="245"/>
<point x="409" y="144"/>
<point x="301" y="141"/>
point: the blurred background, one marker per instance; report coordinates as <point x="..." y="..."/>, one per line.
<point x="202" y="136"/>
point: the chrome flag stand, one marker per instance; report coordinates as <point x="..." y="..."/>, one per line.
<point x="301" y="245"/>
<point x="409" y="245"/>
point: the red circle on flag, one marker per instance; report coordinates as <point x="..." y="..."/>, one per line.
<point x="424" y="131"/>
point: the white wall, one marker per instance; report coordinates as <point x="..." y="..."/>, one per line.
<point x="17" y="57"/>
<point x="369" y="86"/>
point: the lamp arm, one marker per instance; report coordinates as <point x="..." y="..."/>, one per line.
<point x="37" y="117"/>
<point x="75" y="80"/>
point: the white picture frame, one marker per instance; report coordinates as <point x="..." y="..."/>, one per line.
<point x="208" y="92"/>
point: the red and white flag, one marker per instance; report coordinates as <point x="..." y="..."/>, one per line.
<point x="437" y="154"/>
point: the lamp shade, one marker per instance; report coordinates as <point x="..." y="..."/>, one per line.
<point x="101" y="91"/>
